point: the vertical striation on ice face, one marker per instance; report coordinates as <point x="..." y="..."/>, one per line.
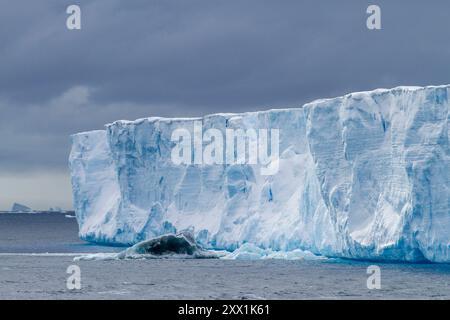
<point x="363" y="176"/>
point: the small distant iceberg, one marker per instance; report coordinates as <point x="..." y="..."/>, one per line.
<point x="56" y="210"/>
<point x="17" y="207"/>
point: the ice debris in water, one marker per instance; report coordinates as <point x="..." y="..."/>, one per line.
<point x="249" y="251"/>
<point x="184" y="246"/>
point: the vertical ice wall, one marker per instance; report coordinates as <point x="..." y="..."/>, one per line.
<point x="361" y="176"/>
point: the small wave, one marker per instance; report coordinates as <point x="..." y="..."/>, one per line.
<point x="45" y="254"/>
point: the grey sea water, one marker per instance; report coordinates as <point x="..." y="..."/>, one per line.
<point x="43" y="232"/>
<point x="36" y="250"/>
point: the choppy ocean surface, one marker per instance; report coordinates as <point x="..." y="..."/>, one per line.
<point x="37" y="249"/>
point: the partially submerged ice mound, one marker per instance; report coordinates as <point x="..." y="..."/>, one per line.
<point x="181" y="245"/>
<point x="363" y="176"/>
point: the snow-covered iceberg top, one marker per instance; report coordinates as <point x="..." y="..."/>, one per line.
<point x="362" y="176"/>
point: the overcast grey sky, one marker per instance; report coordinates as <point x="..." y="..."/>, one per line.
<point x="142" y="58"/>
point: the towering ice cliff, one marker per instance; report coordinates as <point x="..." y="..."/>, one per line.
<point x="362" y="176"/>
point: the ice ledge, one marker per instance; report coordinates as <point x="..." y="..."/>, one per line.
<point x="355" y="94"/>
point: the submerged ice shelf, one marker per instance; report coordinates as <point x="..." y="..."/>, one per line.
<point x="362" y="176"/>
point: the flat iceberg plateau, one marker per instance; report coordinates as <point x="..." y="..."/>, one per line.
<point x="363" y="176"/>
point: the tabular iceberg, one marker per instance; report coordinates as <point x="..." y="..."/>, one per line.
<point x="363" y="176"/>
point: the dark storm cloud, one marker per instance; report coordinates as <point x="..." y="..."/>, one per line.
<point x="182" y="58"/>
